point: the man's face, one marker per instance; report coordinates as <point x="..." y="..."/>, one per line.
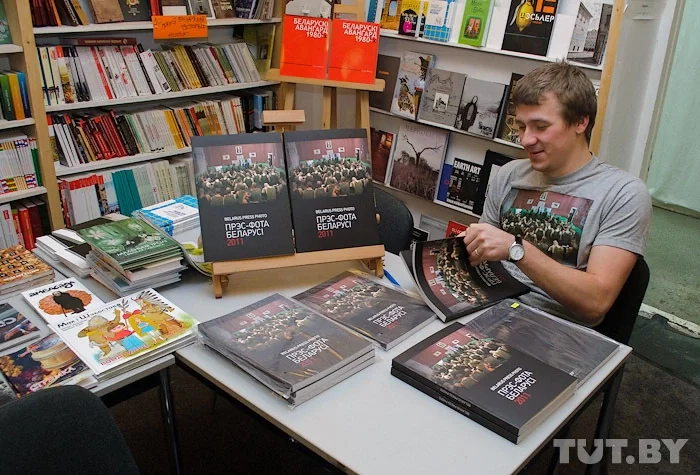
<point x="547" y="138"/>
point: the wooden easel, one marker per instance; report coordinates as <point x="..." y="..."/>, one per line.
<point x="371" y="255"/>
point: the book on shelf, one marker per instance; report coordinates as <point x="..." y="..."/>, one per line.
<point x="507" y="128"/>
<point x="59" y="302"/>
<point x="387" y="69"/>
<point x="480" y="107"/>
<point x="330" y="184"/>
<point x="309" y="8"/>
<point x="418" y="234"/>
<point x="223" y="8"/>
<point x="20" y="270"/>
<point x="260" y="40"/>
<point x="11" y="234"/>
<point x="459" y="183"/>
<point x="412" y="17"/>
<point x="201" y="7"/>
<point x="105" y="11"/>
<point x="243" y="197"/>
<point x="529" y="27"/>
<point x="493" y="161"/>
<point x="128" y="332"/>
<point x="417" y="159"/>
<point x="173" y="7"/>
<point x="5" y="34"/>
<point x="591" y="30"/>
<point x="383" y="144"/>
<point x="15" y="328"/>
<point x="381" y="312"/>
<point x="17" y="162"/>
<point x="574" y="349"/>
<point x="135" y="10"/>
<point x="410" y="83"/>
<point x="476" y="20"/>
<point x="439" y="19"/>
<point x="46" y="363"/>
<point x="353" y="51"/>
<point x="305" y="45"/>
<point x="454" y="228"/>
<point x="440" y="100"/>
<point x="391" y="15"/>
<point x="14" y="97"/>
<point x="452" y="286"/>
<point x="290" y="348"/>
<point x="477" y="374"/>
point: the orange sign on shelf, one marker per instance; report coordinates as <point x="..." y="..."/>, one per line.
<point x="179" y="26"/>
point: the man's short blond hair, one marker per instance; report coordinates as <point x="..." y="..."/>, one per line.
<point x="568" y="83"/>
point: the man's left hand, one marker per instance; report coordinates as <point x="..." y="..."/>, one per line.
<point x="487" y="243"/>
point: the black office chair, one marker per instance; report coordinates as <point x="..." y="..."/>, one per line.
<point x="62" y="430"/>
<point x="395" y="222"/>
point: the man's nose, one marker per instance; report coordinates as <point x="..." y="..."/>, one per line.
<point x="527" y="138"/>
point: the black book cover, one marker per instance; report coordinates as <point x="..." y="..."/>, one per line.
<point x="463" y="185"/>
<point x="529" y="26"/>
<point x="289" y="342"/>
<point x="330" y="184"/>
<point x="507" y="129"/>
<point x="492" y="379"/>
<point x="135" y="10"/>
<point x="242" y="194"/>
<point x="493" y="161"/>
<point x="453" y="287"/>
<point x="367" y="305"/>
<point x="387" y="69"/>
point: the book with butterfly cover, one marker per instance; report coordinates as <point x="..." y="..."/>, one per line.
<point x="452" y="287"/>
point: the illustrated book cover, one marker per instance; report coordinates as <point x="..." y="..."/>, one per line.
<point x="15" y="328"/>
<point x="475" y="22"/>
<point x="440" y="100"/>
<point x="417" y="159"/>
<point x="480" y="107"/>
<point x="330" y="185"/>
<point x="482" y="375"/>
<point x="576" y="350"/>
<point x="382" y="146"/>
<point x="43" y="364"/>
<point x="305" y="46"/>
<point x="591" y="31"/>
<point x="452" y="287"/>
<point x="353" y="51"/>
<point x="507" y="129"/>
<point x="18" y="265"/>
<point x="387" y="69"/>
<point x="124" y="330"/>
<point x="384" y="313"/>
<point x="529" y="26"/>
<point x="391" y="15"/>
<point x="410" y="83"/>
<point x="286" y="345"/>
<point x="459" y="183"/>
<point x="60" y="301"/>
<point x="243" y="201"/>
<point x="439" y="19"/>
<point x="412" y="17"/>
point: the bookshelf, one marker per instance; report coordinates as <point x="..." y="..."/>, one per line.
<point x="13" y="124"/>
<point x="118" y="162"/>
<point x="139" y="26"/>
<point x="18" y="195"/>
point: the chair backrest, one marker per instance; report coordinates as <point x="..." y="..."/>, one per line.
<point x="395" y="222"/>
<point x="62" y="430"/>
<point x="619" y="321"/>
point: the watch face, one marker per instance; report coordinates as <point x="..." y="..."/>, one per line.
<point x="516" y="252"/>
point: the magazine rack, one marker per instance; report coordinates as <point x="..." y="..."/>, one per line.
<point x="371" y="255"/>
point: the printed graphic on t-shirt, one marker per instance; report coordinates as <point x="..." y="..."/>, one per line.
<point x="551" y="221"/>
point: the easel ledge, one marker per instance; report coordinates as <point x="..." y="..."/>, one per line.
<point x="376" y="86"/>
<point x="372" y="255"/>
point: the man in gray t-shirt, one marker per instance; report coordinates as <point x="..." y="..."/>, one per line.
<point x="571" y="226"/>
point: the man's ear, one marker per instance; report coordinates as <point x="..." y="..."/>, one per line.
<point x="582" y="124"/>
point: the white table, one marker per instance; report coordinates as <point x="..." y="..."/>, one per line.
<point x="371" y="423"/>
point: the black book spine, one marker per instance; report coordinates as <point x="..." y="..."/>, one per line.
<point x="127" y="134"/>
<point x="197" y="67"/>
<point x="455" y="404"/>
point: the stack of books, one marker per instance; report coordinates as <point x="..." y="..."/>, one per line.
<point x="18" y="162"/>
<point x="20" y="270"/>
<point x="118" y="68"/>
<point x="22" y="222"/>
<point x="290" y="348"/>
<point x="130" y="255"/>
<point x="114" y="337"/>
<point x="14" y="99"/>
<point x="173" y="216"/>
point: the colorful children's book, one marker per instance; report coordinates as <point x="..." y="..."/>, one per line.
<point x="475" y="22"/>
<point x="410" y="83"/>
<point x="62" y="301"/>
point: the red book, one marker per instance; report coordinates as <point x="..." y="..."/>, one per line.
<point x="454" y="228"/>
<point x="34" y="218"/>
<point x="304" y="47"/>
<point x="353" y="52"/>
<point x="26" y="227"/>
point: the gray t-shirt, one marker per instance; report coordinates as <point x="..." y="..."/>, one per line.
<point x="597" y="205"/>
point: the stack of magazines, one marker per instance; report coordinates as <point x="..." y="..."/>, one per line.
<point x="114" y="337"/>
<point x="20" y="270"/>
<point x="173" y="216"/>
<point x="290" y="348"/>
<point x="131" y="255"/>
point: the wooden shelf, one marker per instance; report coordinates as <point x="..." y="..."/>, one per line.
<point x="515" y="54"/>
<point x="160" y="97"/>
<point x="8" y="49"/>
<point x="447" y="127"/>
<point x="12" y="124"/>
<point x="274" y="75"/>
<point x="18" y="195"/>
<point x="118" y="162"/>
<point x="138" y="26"/>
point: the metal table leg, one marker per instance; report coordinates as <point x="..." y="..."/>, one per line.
<point x="167" y="407"/>
<point x="605" y="418"/>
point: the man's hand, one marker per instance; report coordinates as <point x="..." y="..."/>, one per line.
<point x="486" y="243"/>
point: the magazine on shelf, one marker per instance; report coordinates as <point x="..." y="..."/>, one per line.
<point x="244" y="208"/>
<point x="15" y="328"/>
<point x="62" y="301"/>
<point x="452" y="287"/>
<point x="284" y="344"/>
<point x="380" y="311"/>
<point x="484" y="376"/>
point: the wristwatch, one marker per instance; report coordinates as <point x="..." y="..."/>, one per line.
<point x="516" y="251"/>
